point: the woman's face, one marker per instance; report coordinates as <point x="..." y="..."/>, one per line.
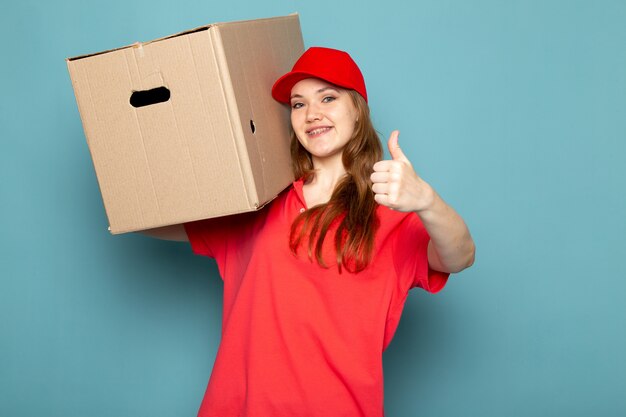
<point x="323" y="117"/>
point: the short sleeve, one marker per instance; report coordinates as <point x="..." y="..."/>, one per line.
<point x="212" y="237"/>
<point x="411" y="256"/>
<point x="203" y="237"/>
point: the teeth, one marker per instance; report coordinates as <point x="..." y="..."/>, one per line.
<point x="318" y="131"/>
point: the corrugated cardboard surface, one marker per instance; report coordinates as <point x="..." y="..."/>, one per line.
<point x="194" y="156"/>
<point x="253" y="70"/>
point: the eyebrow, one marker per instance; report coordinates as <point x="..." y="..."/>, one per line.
<point x="321" y="90"/>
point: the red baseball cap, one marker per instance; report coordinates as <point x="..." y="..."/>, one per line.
<point x="331" y="65"/>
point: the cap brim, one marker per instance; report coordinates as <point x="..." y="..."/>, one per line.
<point x="281" y="91"/>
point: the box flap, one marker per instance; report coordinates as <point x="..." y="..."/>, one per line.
<point x="139" y="44"/>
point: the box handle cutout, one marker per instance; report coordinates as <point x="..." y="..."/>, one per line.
<point x="252" y="126"/>
<point x="149" y="97"/>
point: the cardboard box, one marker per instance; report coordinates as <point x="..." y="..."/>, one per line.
<point x="184" y="127"/>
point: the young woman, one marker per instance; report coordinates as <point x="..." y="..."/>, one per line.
<point x="315" y="283"/>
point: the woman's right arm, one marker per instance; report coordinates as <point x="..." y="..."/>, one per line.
<point x="175" y="232"/>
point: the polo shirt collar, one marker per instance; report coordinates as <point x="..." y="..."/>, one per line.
<point x="297" y="186"/>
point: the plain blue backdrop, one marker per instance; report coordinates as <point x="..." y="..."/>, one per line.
<point x="515" y="111"/>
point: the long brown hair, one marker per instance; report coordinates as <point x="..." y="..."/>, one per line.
<point x="351" y="204"/>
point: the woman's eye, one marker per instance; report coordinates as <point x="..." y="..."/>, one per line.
<point x="296" y="105"/>
<point x="328" y="99"/>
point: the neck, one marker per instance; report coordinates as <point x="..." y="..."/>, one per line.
<point x="328" y="172"/>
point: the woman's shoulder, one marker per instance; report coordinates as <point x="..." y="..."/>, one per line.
<point x="397" y="226"/>
<point x="392" y="218"/>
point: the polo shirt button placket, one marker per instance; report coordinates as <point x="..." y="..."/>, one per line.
<point x="302" y="210"/>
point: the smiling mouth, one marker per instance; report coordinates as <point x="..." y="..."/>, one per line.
<point x="318" y="131"/>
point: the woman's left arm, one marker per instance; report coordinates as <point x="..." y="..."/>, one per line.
<point x="397" y="186"/>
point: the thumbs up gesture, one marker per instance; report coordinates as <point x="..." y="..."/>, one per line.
<point x="397" y="185"/>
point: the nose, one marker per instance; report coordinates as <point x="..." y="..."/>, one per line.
<point x="313" y="113"/>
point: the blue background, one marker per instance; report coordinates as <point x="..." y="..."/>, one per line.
<point x="515" y="111"/>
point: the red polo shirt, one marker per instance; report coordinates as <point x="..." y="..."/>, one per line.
<point x="298" y="339"/>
